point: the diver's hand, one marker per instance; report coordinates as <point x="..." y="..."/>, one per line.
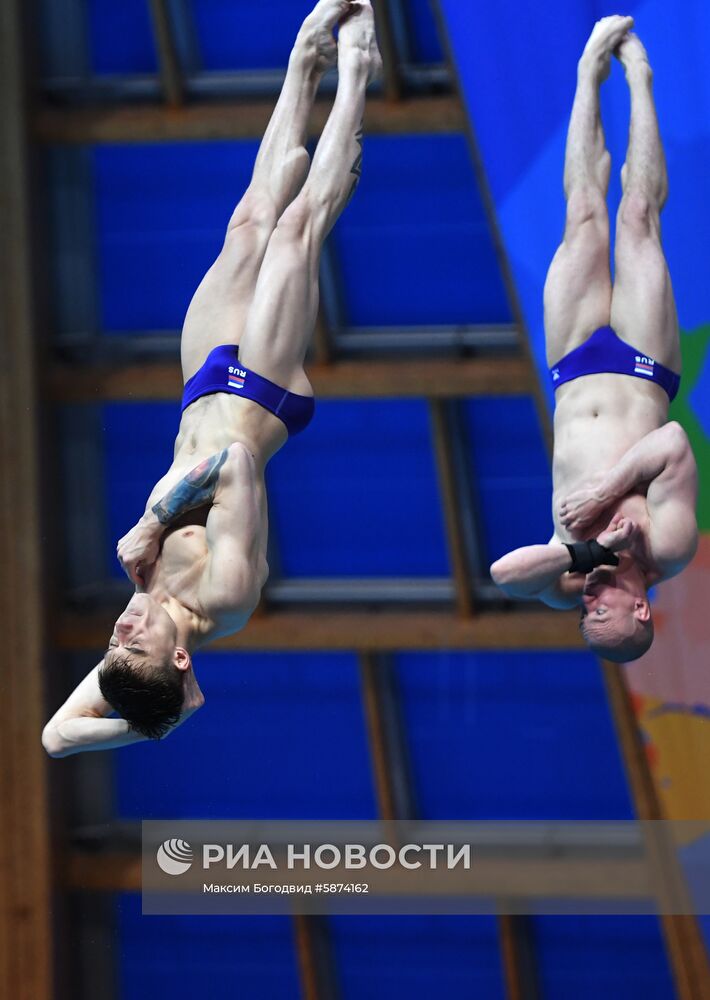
<point x="582" y="506"/>
<point x="139" y="548"/>
<point x="619" y="535"/>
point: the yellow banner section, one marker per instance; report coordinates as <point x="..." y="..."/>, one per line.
<point x="671" y="688"/>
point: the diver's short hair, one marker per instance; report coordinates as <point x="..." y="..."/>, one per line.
<point x="624" y="649"/>
<point x="148" y="696"/>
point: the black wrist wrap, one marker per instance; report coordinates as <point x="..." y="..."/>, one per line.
<point x="587" y="555"/>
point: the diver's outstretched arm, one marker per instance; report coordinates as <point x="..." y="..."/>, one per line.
<point x="81" y="724"/>
<point x="535" y="572"/>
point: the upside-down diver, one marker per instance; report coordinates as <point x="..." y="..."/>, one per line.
<point x="197" y="556"/>
<point x="624" y="477"/>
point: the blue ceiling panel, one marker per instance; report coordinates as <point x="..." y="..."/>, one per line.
<point x="121" y="37"/>
<point x="417" y="957"/>
<point x="414" y="244"/>
<point x="162" y="213"/>
<point x="424" y="34"/>
<point x="250" y="957"/>
<point x="281" y="736"/>
<point x="249" y="34"/>
<point x="511" y="736"/>
<point x="357" y="494"/>
<point x="618" y="958"/>
<point x="512" y="472"/>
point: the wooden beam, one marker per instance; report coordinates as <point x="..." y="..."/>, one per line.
<point x="376" y="738"/>
<point x="505" y="877"/>
<point x="390" y="57"/>
<point x="26" y="959"/>
<point x="386" y="739"/>
<point x="305" y="953"/>
<point x="170" y="73"/>
<point x="684" y="940"/>
<point x="368" y="631"/>
<point x="232" y="120"/>
<point x="436" y="378"/>
<point x="450" y="501"/>
<point x="314" y="954"/>
<point x="518" y="956"/>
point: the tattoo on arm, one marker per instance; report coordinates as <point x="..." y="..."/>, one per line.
<point x="356" y="168"/>
<point x="196" y="489"/>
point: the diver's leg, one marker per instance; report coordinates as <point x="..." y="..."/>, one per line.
<point x="643" y="308"/>
<point x="578" y="286"/>
<point x="218" y="311"/>
<point x="283" y="313"/>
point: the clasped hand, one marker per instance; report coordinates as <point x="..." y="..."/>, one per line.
<point x="583" y="506"/>
<point x="619" y="534"/>
<point x="139" y="548"/>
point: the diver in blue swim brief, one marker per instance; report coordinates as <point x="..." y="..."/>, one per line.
<point x="604" y="352"/>
<point x="624" y="477"/>
<point x="197" y="556"/>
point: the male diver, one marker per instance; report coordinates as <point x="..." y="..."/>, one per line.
<point x="197" y="555"/>
<point x="624" y="478"/>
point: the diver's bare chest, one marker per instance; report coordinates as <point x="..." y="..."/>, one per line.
<point x="183" y="553"/>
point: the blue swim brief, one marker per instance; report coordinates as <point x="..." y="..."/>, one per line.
<point x="223" y="372"/>
<point x="604" y="352"/>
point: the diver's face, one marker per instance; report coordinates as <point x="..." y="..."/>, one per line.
<point x="611" y="602"/>
<point x="145" y="629"/>
<point x="607" y="591"/>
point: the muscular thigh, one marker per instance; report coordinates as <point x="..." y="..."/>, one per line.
<point x="643" y="310"/>
<point x="219" y="308"/>
<point x="285" y="305"/>
<point x="577" y="295"/>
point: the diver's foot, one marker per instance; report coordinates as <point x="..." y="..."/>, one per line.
<point x="633" y="56"/>
<point x="315" y="44"/>
<point x="606" y="36"/>
<point x="357" y="40"/>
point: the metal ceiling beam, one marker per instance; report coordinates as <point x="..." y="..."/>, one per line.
<point x="232" y="120"/>
<point x="372" y="630"/>
<point x="541" y="839"/>
<point x="299" y="592"/>
<point x="80" y="89"/>
<point x="437" y="378"/>
<point x="80" y="342"/>
<point x="478" y="336"/>
<point x="362" y="590"/>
